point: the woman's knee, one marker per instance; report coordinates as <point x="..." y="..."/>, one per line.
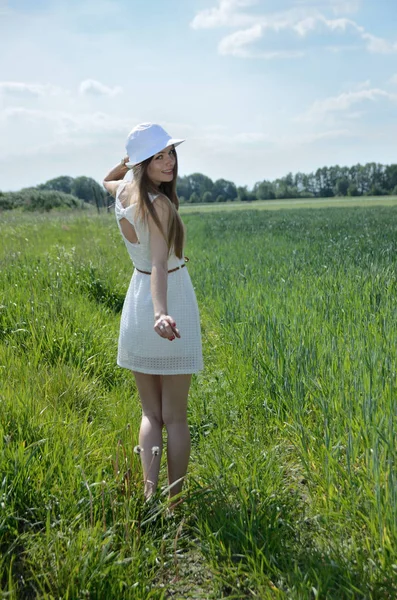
<point x="154" y="417"/>
<point x="174" y="398"/>
<point x="174" y="417"/>
<point x="149" y="388"/>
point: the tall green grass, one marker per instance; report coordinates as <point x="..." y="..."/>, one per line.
<point x="292" y="483"/>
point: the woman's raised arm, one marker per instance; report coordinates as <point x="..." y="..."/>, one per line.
<point x="115" y="176"/>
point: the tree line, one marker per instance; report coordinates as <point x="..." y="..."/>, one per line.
<point x="60" y="192"/>
<point x="371" y="179"/>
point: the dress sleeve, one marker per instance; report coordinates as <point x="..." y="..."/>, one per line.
<point x="152" y="197"/>
<point x="119" y="208"/>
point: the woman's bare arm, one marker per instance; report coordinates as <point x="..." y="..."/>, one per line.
<point x="159" y="276"/>
<point x="114" y="177"/>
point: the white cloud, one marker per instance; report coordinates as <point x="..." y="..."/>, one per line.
<point x="228" y="141"/>
<point x="64" y="123"/>
<point x="89" y="87"/>
<point x="47" y="135"/>
<point x="279" y="54"/>
<point x="302" y="20"/>
<point x="235" y="44"/>
<point x="304" y="26"/>
<point x="19" y="88"/>
<point x="96" y="88"/>
<point x="378" y="45"/>
<point x="343" y="102"/>
<point x="309" y="24"/>
<point x="393" y="79"/>
<point x="226" y="14"/>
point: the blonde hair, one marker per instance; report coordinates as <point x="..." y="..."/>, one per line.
<point x="175" y="232"/>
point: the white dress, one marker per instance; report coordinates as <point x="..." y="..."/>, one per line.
<point x="140" y="348"/>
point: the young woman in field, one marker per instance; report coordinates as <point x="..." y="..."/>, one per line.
<point x="160" y="340"/>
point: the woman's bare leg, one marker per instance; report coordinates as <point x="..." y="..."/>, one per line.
<point x="150" y="434"/>
<point x="175" y="390"/>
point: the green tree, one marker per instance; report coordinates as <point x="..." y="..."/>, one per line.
<point x="64" y="183"/>
<point x="353" y="190"/>
<point x="183" y="187"/>
<point x="263" y="190"/>
<point x="223" y="187"/>
<point x="242" y="193"/>
<point x="391" y="178"/>
<point x="283" y="189"/>
<point x="208" y="197"/>
<point x="89" y="190"/>
<point x="194" y="198"/>
<point x="342" y="186"/>
<point x="45" y="200"/>
<point x="199" y="183"/>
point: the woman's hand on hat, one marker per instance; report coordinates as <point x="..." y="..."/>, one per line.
<point x="165" y="327"/>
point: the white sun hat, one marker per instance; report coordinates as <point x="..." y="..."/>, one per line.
<point x="145" y="140"/>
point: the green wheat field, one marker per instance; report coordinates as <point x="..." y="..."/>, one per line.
<point x="292" y="486"/>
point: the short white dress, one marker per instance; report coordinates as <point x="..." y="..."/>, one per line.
<point x="140" y="348"/>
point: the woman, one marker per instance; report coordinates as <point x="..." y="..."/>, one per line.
<point x="160" y="340"/>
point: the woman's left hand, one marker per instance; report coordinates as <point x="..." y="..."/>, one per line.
<point x="165" y="327"/>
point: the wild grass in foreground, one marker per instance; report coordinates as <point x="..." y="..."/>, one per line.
<point x="292" y="483"/>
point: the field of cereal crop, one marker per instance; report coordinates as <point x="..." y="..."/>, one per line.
<point x="292" y="487"/>
<point x="292" y="203"/>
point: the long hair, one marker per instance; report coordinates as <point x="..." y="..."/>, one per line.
<point x="175" y="232"/>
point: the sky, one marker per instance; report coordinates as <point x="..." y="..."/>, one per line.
<point x="258" y="88"/>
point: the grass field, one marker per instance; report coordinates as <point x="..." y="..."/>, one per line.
<point x="293" y="203"/>
<point x="292" y="487"/>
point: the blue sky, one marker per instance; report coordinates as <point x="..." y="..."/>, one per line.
<point x="258" y="88"/>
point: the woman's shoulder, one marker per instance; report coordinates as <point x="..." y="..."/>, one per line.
<point x="158" y="197"/>
<point x="161" y="203"/>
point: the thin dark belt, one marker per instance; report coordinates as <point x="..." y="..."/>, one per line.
<point x="170" y="271"/>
